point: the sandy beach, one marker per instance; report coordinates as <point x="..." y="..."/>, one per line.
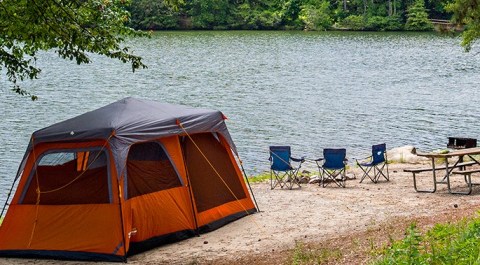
<point x="348" y="220"/>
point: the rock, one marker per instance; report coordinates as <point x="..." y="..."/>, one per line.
<point x="314" y="179"/>
<point x="303" y="179"/>
<point x="405" y="154"/>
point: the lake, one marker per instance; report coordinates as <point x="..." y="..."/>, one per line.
<point x="310" y="90"/>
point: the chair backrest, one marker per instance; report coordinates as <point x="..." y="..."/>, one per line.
<point x="280" y="158"/>
<point x="334" y="158"/>
<point x="378" y="153"/>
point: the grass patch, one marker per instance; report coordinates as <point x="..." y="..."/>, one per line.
<point x="452" y="243"/>
<point x="259" y="178"/>
<point x="1" y="220"/>
<point x="303" y="254"/>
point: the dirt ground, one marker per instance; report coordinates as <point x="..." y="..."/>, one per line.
<point x="349" y="221"/>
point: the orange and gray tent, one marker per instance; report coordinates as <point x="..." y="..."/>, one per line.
<point x="122" y="179"/>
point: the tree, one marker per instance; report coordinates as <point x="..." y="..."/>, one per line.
<point x="316" y="15"/>
<point x="71" y="28"/>
<point x="467" y="12"/>
<point x="418" y="17"/>
<point x="153" y="15"/>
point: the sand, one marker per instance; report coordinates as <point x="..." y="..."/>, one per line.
<point x="311" y="215"/>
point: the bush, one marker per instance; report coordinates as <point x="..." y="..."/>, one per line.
<point x="153" y="15"/>
<point x="354" y="22"/>
<point x="443" y="244"/>
<point x="383" y="23"/>
<point x="374" y="23"/>
<point x="316" y="17"/>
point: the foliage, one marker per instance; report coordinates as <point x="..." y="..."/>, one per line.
<point x="153" y="15"/>
<point x="467" y="12"/>
<point x="211" y="14"/>
<point x="259" y="15"/>
<point x="380" y="23"/>
<point x="443" y="244"/>
<point x="316" y="15"/>
<point x="290" y="14"/>
<point x="418" y="17"/>
<point x="354" y="22"/>
<point x="73" y="29"/>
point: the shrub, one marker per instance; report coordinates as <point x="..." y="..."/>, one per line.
<point x="457" y="243"/>
<point x="354" y="22"/>
<point x="316" y="17"/>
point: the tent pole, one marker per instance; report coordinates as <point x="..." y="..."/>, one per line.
<point x="8" y="197"/>
<point x="248" y="183"/>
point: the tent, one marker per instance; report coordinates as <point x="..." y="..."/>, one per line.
<point x="123" y="179"/>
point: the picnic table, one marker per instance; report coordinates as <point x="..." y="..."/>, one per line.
<point x="453" y="164"/>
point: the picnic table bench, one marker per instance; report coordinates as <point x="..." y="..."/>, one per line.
<point x="414" y="171"/>
<point x="450" y="169"/>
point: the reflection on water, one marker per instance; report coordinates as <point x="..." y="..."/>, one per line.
<point x="308" y="90"/>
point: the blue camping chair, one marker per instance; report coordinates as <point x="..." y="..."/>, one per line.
<point x="377" y="161"/>
<point x="333" y="169"/>
<point x="282" y="172"/>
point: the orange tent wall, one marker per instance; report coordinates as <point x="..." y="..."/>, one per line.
<point x="243" y="205"/>
<point x="239" y="206"/>
<point x="84" y="228"/>
<point x="94" y="228"/>
<point x="164" y="212"/>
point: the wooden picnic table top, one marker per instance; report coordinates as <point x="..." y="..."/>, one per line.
<point x="459" y="152"/>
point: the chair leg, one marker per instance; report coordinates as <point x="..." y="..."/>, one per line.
<point x="366" y="173"/>
<point x="333" y="177"/>
<point x="276" y="179"/>
<point x="380" y="172"/>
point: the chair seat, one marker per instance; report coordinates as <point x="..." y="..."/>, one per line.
<point x="282" y="172"/>
<point x="333" y="169"/>
<point x="369" y="164"/>
<point x="378" y="162"/>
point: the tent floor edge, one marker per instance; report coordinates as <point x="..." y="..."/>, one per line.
<point x="151" y="243"/>
<point x="61" y="255"/>
<point x="228" y="219"/>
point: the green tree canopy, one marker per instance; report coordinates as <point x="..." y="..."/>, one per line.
<point x="72" y="28"/>
<point x="467" y="12"/>
<point x="418" y="17"/>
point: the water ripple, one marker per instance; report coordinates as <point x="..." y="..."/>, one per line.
<point x="307" y="90"/>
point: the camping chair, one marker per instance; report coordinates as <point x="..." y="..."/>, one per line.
<point x="333" y="167"/>
<point x="377" y="161"/>
<point x="282" y="172"/>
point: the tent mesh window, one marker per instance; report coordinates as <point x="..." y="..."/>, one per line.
<point x="69" y="177"/>
<point x="149" y="170"/>
<point x="209" y="188"/>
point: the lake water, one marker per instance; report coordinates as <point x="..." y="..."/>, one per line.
<point x="310" y="90"/>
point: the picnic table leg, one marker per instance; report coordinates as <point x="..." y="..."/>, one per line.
<point x="434" y="180"/>
<point x="468" y="179"/>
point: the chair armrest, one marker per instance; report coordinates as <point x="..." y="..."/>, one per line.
<point x="302" y="159"/>
<point x="363" y="159"/>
